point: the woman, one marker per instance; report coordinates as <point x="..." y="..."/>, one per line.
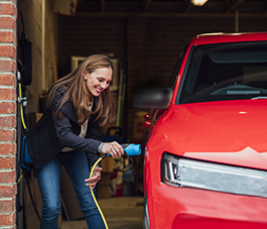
<point x="69" y="132"/>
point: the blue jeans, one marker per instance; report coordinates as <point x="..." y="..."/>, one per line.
<point x="48" y="178"/>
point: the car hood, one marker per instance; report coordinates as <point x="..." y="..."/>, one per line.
<point x="231" y="132"/>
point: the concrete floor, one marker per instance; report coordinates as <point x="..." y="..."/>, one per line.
<point x="120" y="213"/>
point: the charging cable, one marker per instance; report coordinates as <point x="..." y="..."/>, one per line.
<point x="22" y="101"/>
<point x="130" y="150"/>
<point x="92" y="192"/>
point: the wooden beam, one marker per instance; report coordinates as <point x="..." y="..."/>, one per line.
<point x="102" y="6"/>
<point x="146" y="4"/>
<point x="234" y="5"/>
<point x="175" y="15"/>
<point x="53" y="50"/>
<point x="43" y="47"/>
<point x="167" y="7"/>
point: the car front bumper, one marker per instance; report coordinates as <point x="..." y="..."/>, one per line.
<point x="172" y="207"/>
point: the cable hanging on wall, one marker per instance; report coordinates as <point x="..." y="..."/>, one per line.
<point x="24" y="78"/>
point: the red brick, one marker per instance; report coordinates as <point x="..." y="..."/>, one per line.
<point x="7" y="65"/>
<point x="9" y="37"/>
<point x="7" y="23"/>
<point x="8" y="80"/>
<point x="7" y="121"/>
<point x="8" y="108"/>
<point x="7" y="135"/>
<point x="7" y="94"/>
<point x="8" y="220"/>
<point x="7" y="205"/>
<point x="7" y="9"/>
<point x="8" y="51"/>
<point x="7" y="149"/>
<point x="8" y="191"/>
<point x="7" y="177"/>
<point x="7" y="162"/>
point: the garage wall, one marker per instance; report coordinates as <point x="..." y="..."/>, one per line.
<point x="31" y="11"/>
<point x="148" y="46"/>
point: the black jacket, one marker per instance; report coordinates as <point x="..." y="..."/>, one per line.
<point x="50" y="134"/>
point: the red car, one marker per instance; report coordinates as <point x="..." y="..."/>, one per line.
<point x="206" y="153"/>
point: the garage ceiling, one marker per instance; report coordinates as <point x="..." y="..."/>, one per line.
<point x="173" y="8"/>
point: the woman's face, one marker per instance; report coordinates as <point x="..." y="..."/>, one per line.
<point x="98" y="80"/>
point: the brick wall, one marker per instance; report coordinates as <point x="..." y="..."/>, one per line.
<point x="149" y="46"/>
<point x="8" y="187"/>
<point x="83" y="36"/>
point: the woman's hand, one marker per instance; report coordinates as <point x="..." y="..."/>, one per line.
<point x="95" y="178"/>
<point x="113" y="148"/>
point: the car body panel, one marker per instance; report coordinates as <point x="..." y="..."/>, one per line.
<point x="197" y="207"/>
<point x="222" y="128"/>
<point x="212" y="38"/>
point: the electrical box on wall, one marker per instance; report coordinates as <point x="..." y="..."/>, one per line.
<point x="25" y="59"/>
<point x="114" y="85"/>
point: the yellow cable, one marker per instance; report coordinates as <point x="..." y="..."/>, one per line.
<point x="21" y="108"/>
<point x="22" y="119"/>
<point x="20" y="178"/>
<point x="93" y="195"/>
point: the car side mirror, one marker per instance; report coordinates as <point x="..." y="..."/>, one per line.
<point x="152" y="98"/>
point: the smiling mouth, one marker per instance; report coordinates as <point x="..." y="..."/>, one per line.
<point x="98" y="90"/>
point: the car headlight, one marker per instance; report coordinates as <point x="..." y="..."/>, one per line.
<point x="205" y="175"/>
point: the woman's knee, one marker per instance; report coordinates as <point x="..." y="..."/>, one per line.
<point x="51" y="210"/>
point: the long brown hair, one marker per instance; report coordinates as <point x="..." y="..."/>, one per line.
<point x="78" y="92"/>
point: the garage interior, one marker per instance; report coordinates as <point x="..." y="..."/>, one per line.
<point x="144" y="39"/>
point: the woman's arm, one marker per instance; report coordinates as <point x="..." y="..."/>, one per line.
<point x="64" y="130"/>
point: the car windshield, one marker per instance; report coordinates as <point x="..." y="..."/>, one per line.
<point x="226" y="72"/>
